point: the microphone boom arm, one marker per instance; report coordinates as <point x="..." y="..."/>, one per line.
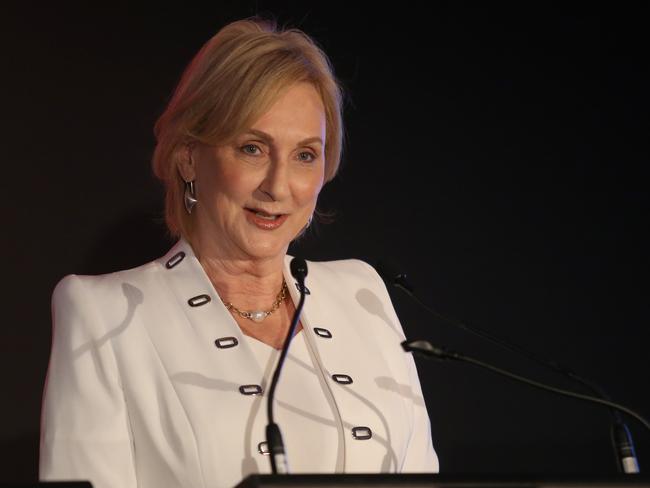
<point x="427" y="349"/>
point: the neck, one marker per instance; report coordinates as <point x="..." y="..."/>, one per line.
<point x="247" y="283"/>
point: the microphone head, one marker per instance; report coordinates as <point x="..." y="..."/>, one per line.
<point x="298" y="268"/>
<point x="391" y="275"/>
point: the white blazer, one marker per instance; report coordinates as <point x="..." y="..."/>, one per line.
<point x="152" y="384"/>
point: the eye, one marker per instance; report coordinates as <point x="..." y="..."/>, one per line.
<point x="251" y="149"/>
<point x="306" y="156"/>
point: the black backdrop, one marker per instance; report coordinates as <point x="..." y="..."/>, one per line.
<point x="500" y="156"/>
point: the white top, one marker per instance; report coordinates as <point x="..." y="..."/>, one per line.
<point x="138" y="393"/>
<point x="315" y="422"/>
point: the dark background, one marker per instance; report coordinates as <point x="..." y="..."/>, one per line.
<point x="499" y="155"/>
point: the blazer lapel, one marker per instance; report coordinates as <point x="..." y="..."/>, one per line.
<point x="352" y="370"/>
<point x="203" y="345"/>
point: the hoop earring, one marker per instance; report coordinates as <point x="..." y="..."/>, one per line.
<point x="189" y="197"/>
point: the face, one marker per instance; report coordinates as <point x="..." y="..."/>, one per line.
<point x="257" y="192"/>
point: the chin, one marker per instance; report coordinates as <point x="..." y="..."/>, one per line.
<point x="263" y="249"/>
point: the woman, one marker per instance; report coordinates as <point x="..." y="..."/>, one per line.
<point x="157" y="374"/>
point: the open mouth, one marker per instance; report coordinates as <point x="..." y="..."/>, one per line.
<point x="263" y="215"/>
<point x="265" y="220"/>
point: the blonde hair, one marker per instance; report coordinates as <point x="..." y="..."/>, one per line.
<point x="231" y="82"/>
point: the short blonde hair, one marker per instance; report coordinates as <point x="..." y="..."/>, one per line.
<point x="231" y="82"/>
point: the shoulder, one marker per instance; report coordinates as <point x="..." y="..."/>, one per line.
<point x="346" y="270"/>
<point x="86" y="286"/>
<point x="348" y="278"/>
<point x="108" y="297"/>
<point x="93" y="302"/>
<point x="105" y="285"/>
<point x="84" y="306"/>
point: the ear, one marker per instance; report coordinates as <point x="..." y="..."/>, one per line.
<point x="185" y="163"/>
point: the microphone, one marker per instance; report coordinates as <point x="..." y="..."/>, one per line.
<point x="279" y="464"/>
<point x="425" y="348"/>
<point x="620" y="434"/>
<point x="298" y="267"/>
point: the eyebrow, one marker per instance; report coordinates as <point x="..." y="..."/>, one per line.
<point x="269" y="138"/>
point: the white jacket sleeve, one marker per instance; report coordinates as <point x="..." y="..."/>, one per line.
<point x="85" y="430"/>
<point x="421" y="456"/>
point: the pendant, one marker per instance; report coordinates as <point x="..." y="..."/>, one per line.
<point x="257" y="315"/>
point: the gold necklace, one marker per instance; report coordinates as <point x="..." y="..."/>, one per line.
<point x="259" y="315"/>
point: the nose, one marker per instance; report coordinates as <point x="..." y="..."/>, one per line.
<point x="275" y="184"/>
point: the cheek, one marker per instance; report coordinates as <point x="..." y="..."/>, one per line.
<point x="230" y="185"/>
<point x="307" y="189"/>
<point x="237" y="184"/>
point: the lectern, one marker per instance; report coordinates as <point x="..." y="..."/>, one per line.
<point x="442" y="481"/>
<point x="47" y="484"/>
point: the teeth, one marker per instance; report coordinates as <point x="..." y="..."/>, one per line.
<point x="266" y="217"/>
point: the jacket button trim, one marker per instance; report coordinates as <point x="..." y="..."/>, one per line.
<point x="226" y="342"/>
<point x="344" y="379"/>
<point x="199" y="300"/>
<point x="250" y="389"/>
<point x="175" y="259"/>
<point x="361" y="433"/>
<point x="307" y="292"/>
<point x="263" y="448"/>
<point x="320" y="332"/>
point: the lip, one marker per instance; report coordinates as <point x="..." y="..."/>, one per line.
<point x="262" y="223"/>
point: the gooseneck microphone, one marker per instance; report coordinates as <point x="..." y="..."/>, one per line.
<point x="425" y="348"/>
<point x="620" y="434"/>
<point x="277" y="456"/>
